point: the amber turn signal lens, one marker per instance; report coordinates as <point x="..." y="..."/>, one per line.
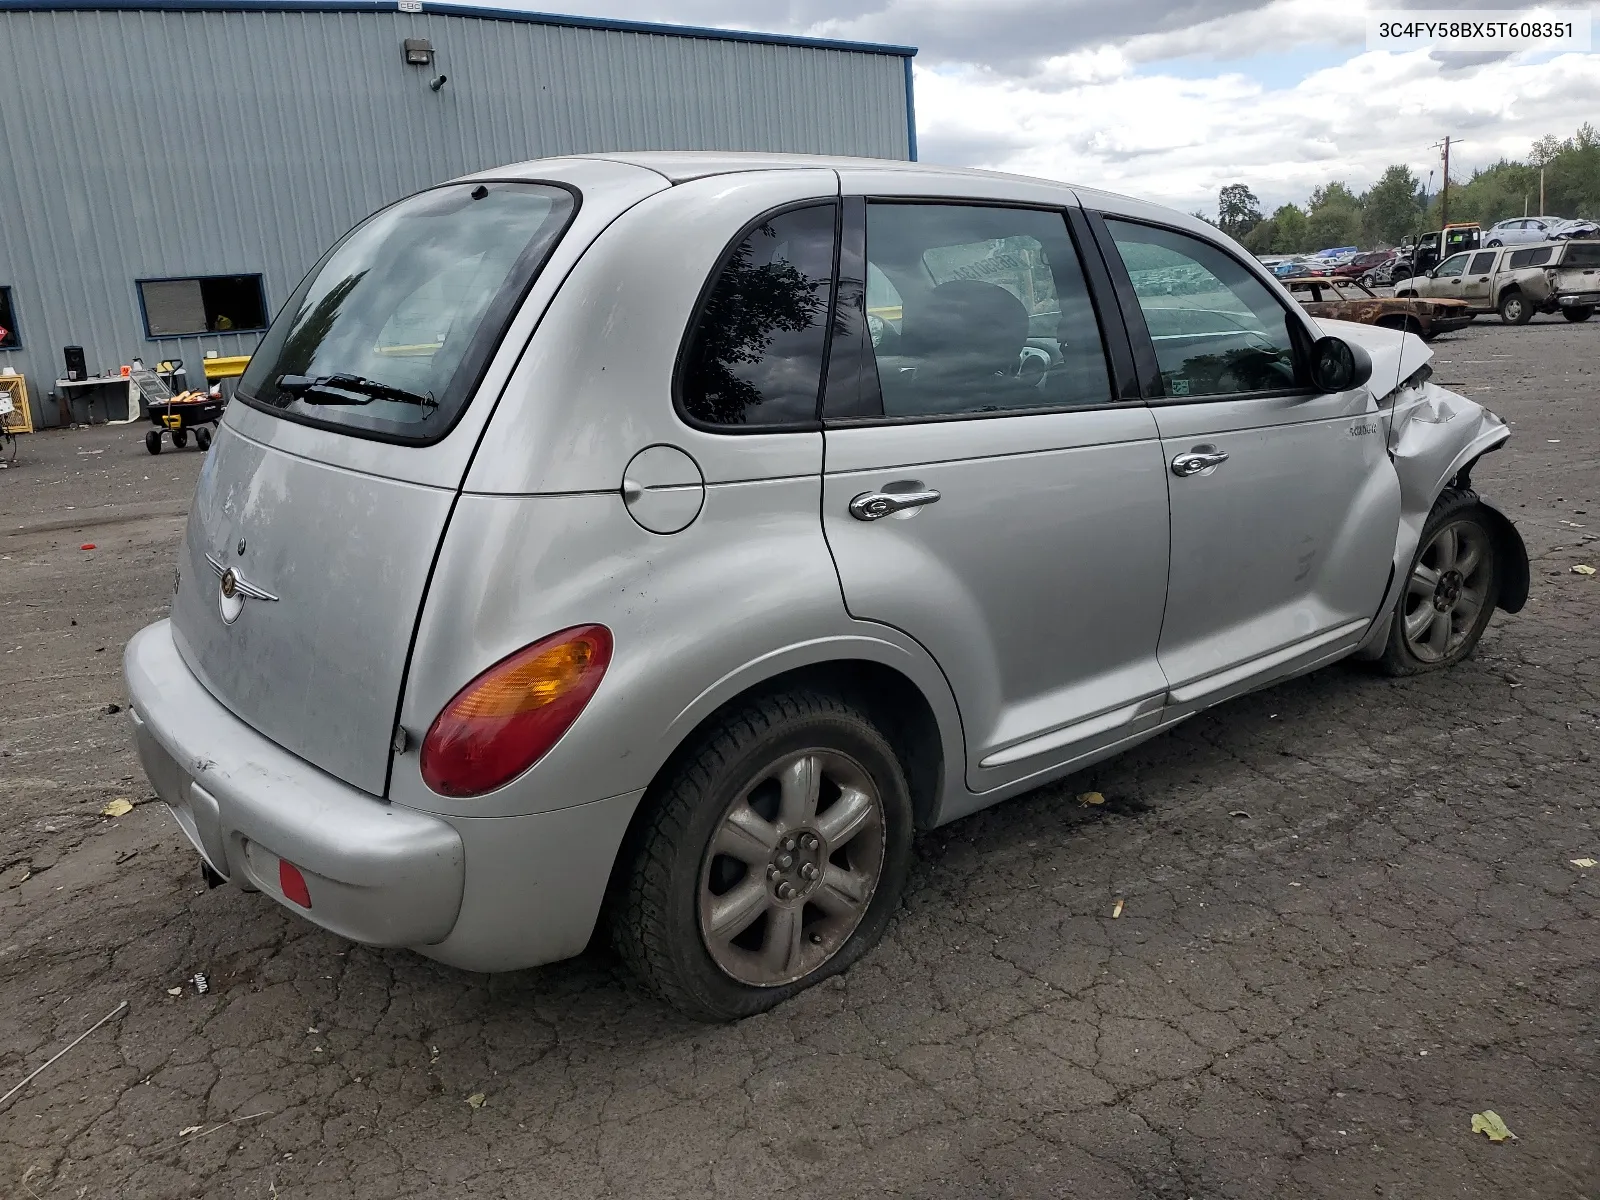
<point x="506" y="719"/>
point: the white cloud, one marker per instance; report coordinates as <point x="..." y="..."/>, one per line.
<point x="1177" y="140"/>
<point x="1091" y="91"/>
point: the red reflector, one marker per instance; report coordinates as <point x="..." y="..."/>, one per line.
<point x="505" y="720"/>
<point x="292" y="883"/>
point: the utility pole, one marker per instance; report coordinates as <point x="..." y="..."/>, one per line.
<point x="1444" y="194"/>
<point x="1541" y="191"/>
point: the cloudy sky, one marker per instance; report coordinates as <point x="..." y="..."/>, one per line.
<point x="1172" y="100"/>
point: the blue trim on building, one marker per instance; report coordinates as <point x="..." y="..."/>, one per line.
<point x="11" y="312"/>
<point x="459" y="10"/>
<point x="911" y="115"/>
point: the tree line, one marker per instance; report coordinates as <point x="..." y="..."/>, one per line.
<point x="1398" y="204"/>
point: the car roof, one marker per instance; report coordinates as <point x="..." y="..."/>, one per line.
<point x="681" y="166"/>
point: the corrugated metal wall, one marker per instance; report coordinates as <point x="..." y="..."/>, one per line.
<point x="154" y="144"/>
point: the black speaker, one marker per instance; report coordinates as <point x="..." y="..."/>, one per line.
<point x="77" y="368"/>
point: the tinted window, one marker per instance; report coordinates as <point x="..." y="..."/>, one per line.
<point x="1483" y="263"/>
<point x="1581" y="254"/>
<point x="975" y="309"/>
<point x="1456" y="264"/>
<point x="8" y="322"/>
<point x="1529" y="258"/>
<point x="202" y="304"/>
<point x="409" y="306"/>
<point x="1217" y="329"/>
<point x="756" y="355"/>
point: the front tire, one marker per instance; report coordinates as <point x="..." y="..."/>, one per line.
<point x="1450" y="591"/>
<point x="1515" y="309"/>
<point x="152" y="441"/>
<point x="771" y="856"/>
<point x="202" y="438"/>
<point x="1578" y="315"/>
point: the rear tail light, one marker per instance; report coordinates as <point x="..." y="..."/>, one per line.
<point x="505" y="720"/>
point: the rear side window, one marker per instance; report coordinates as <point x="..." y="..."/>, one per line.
<point x="391" y="332"/>
<point x="974" y="309"/>
<point x="1536" y="257"/>
<point x="755" y="356"/>
<point x="1217" y="329"/>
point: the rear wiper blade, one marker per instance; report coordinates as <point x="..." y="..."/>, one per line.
<point x="348" y="389"/>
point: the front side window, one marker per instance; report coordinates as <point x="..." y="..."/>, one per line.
<point x="390" y="333"/>
<point x="755" y="356"/>
<point x="1217" y="329"/>
<point x="1456" y="264"/>
<point x="202" y="304"/>
<point x="974" y="309"/>
<point x="9" y="340"/>
<point x="1483" y="263"/>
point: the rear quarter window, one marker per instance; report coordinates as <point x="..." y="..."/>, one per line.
<point x="390" y="333"/>
<point x="1581" y="254"/>
<point x="1535" y="257"/>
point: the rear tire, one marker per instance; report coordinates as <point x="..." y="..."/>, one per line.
<point x="180" y="438"/>
<point x="152" y="441"/>
<point x="1515" y="309"/>
<point x="704" y="909"/>
<point x="1578" y="315"/>
<point x="202" y="438"/>
<point x="1450" y="591"/>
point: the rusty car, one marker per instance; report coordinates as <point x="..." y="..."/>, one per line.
<point x="1346" y="300"/>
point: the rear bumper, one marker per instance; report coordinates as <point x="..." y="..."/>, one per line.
<point x="481" y="893"/>
<point x="376" y="872"/>
<point x="1579" y="299"/>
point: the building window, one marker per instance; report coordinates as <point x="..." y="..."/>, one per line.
<point x="204" y="304"/>
<point x="9" y="339"/>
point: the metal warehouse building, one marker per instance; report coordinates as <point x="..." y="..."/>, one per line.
<point x="169" y="171"/>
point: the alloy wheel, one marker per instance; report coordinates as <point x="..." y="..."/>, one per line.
<point x="1447" y="591"/>
<point x="792" y="868"/>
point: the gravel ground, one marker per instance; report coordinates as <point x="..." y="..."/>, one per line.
<point x="1308" y="1000"/>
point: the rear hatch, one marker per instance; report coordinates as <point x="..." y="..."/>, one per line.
<point x="326" y="491"/>
<point x="1580" y="269"/>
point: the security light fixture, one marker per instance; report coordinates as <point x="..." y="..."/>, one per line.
<point x="419" y="52"/>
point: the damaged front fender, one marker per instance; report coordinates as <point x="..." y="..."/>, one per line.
<point x="1435" y="436"/>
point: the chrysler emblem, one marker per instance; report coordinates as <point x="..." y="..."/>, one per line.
<point x="234" y="589"/>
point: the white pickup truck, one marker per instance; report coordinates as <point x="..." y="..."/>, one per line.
<point x="1518" y="281"/>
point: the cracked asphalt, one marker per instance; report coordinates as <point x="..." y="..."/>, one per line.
<point x="1350" y="920"/>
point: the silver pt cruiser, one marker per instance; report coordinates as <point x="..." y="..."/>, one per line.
<point x="668" y="537"/>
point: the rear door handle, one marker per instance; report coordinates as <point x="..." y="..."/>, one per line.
<point x="1201" y="458"/>
<point x="873" y="506"/>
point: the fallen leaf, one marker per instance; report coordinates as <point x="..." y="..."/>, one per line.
<point x="1585" y="863"/>
<point x="1088" y="798"/>
<point x="120" y="807"/>
<point x="1117" y="910"/>
<point x="188" y="1129"/>
<point x="175" y="991"/>
<point x="1488" y="1122"/>
<point x="477" y="1100"/>
<point x="1583" y="569"/>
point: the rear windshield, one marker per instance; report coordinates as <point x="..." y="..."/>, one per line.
<point x="390" y="333"/>
<point x="1581" y="254"/>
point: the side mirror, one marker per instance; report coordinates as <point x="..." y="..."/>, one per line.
<point x="1338" y="366"/>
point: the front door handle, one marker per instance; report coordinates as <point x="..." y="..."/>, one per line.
<point x="1198" y="460"/>
<point x="872" y="506"/>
